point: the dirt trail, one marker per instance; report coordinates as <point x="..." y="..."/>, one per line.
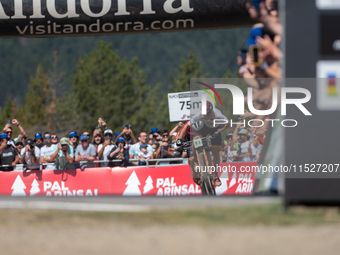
<point x="113" y="238"/>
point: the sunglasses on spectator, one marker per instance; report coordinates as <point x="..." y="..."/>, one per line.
<point x="39" y="139"/>
<point x="84" y="140"/>
<point x="98" y="136"/>
<point x="54" y="137"/>
<point x="87" y="134"/>
<point x="165" y="135"/>
<point x="9" y="132"/>
<point x="73" y="137"/>
<point x="108" y="135"/>
<point x="19" y="144"/>
<point x="47" y="137"/>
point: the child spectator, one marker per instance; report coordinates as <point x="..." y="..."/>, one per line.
<point x="144" y="155"/>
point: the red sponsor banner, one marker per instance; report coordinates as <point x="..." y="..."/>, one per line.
<point x="237" y="178"/>
<point x="131" y="181"/>
<point x="75" y="182"/>
<point x="154" y="181"/>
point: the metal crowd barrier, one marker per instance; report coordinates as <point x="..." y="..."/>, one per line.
<point x="158" y="163"/>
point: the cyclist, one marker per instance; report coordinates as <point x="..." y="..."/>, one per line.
<point x="202" y="125"/>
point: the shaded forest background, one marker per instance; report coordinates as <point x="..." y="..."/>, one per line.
<point x="66" y="83"/>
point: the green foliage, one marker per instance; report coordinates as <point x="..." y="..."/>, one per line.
<point x="189" y="68"/>
<point x="38" y="101"/>
<point x="8" y="112"/>
<point x="107" y="86"/>
<point x="158" y="55"/>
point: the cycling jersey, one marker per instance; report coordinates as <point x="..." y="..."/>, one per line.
<point x="209" y="121"/>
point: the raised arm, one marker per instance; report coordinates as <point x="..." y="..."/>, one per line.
<point x="16" y="122"/>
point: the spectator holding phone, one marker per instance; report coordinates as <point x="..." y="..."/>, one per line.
<point x="9" y="130"/>
<point x="8" y="155"/>
<point x="97" y="140"/>
<point x="155" y="140"/>
<point x="63" y="155"/>
<point x="106" y="147"/>
<point x="30" y="155"/>
<point x="128" y="136"/>
<point x="163" y="150"/>
<point x="119" y="152"/>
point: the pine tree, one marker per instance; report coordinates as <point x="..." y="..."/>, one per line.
<point x="37" y="110"/>
<point x="107" y="86"/>
<point x="189" y="68"/>
<point x="8" y="112"/>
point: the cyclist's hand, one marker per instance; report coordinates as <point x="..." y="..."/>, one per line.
<point x="216" y="134"/>
<point x="179" y="142"/>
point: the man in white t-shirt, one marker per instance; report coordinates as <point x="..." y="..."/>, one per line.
<point x="135" y="149"/>
<point x="47" y="151"/>
<point x="106" y="147"/>
<point x="255" y="149"/>
<point x="243" y="146"/>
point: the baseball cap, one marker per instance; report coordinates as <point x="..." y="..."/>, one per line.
<point x="63" y="141"/>
<point x="174" y="134"/>
<point x="143" y="146"/>
<point x="83" y="137"/>
<point x="108" y="131"/>
<point x="18" y="141"/>
<point x="127" y="126"/>
<point x="73" y="134"/>
<point x="120" y="139"/>
<point x="230" y="134"/>
<point x="243" y="132"/>
<point x="30" y="141"/>
<point x="37" y="136"/>
<point x="154" y="130"/>
<point x="255" y="32"/>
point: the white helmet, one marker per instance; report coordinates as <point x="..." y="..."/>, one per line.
<point x="197" y="125"/>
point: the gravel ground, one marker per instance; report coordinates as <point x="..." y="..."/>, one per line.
<point x="36" y="232"/>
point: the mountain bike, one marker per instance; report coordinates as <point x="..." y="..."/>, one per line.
<point x="201" y="148"/>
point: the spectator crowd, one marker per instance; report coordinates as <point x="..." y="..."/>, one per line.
<point x="260" y="69"/>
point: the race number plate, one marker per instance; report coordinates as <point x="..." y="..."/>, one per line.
<point x="198" y="143"/>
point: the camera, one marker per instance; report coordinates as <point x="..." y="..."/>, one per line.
<point x="243" y="55"/>
<point x="254" y="51"/>
<point x="31" y="146"/>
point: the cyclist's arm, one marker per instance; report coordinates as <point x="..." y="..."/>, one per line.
<point x="225" y="126"/>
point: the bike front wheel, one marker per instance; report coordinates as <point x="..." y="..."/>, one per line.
<point x="206" y="180"/>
